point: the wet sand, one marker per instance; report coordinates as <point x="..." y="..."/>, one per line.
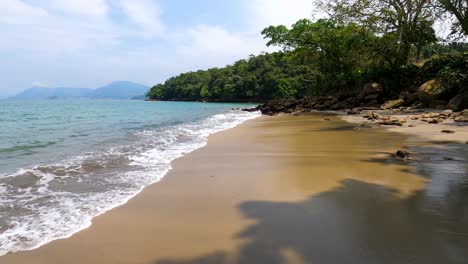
<point x="286" y="189"/>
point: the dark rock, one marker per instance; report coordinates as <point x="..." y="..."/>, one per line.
<point x="353" y="112"/>
<point x="433" y="121"/>
<point x="371" y="97"/>
<point x="404" y="155"/>
<point x="325" y="102"/>
<point x="373" y="103"/>
<point x="410" y="98"/>
<point x="418" y="106"/>
<point x="344" y="104"/>
<point x="345" y="96"/>
<point x="447" y="131"/>
<point x="370" y="90"/>
<point x="459" y="102"/>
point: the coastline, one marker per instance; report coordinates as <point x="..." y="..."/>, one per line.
<point x="222" y="203"/>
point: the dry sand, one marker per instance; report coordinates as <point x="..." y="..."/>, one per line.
<point x="247" y="197"/>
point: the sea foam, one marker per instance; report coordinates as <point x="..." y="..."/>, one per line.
<point x="49" y="202"/>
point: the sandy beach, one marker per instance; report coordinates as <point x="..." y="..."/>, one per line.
<point x="285" y="189"/>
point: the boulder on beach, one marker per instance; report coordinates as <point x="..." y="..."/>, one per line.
<point x="459" y="102"/>
<point x="431" y="91"/>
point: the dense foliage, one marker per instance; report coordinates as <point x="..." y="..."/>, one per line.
<point x="361" y="41"/>
<point x="257" y="78"/>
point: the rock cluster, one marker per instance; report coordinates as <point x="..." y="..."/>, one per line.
<point x="372" y="97"/>
<point x="430" y="118"/>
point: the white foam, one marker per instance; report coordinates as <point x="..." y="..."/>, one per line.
<point x="49" y="212"/>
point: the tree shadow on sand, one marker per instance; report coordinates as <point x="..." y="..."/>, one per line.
<point x="356" y="223"/>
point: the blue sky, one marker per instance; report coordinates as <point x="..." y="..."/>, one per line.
<point x="89" y="43"/>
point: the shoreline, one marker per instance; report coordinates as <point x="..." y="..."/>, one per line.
<point x="225" y="121"/>
<point x="207" y="208"/>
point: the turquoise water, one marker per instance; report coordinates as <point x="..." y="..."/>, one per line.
<point x="63" y="162"/>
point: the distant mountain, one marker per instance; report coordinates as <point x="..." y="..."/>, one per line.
<point x="115" y="90"/>
<point x="120" y="90"/>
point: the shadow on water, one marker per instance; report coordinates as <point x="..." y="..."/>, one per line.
<point x="363" y="223"/>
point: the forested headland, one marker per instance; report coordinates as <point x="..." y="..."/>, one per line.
<point x="390" y="42"/>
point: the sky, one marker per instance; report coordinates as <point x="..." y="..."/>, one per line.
<point x="90" y="43"/>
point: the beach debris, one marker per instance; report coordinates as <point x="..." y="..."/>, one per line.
<point x="448" y="131"/>
<point x="404" y="155"/>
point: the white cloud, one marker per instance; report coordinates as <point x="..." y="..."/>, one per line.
<point x="18" y="12"/>
<point x="145" y="14"/>
<point x="214" y="41"/>
<point x="92" y="8"/>
<point x="263" y="13"/>
<point x="91" y="42"/>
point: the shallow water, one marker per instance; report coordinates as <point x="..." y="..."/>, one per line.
<point x="289" y="189"/>
<point x="63" y="162"/>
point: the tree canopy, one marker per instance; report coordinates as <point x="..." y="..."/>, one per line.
<point x="360" y="41"/>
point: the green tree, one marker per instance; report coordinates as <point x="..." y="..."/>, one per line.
<point x="406" y="23"/>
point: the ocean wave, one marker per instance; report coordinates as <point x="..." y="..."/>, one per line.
<point x="50" y="202"/>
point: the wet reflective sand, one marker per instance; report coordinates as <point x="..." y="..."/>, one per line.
<point x="288" y="190"/>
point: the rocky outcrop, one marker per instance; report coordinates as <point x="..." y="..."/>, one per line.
<point x="370" y="98"/>
<point x="431" y="91"/>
